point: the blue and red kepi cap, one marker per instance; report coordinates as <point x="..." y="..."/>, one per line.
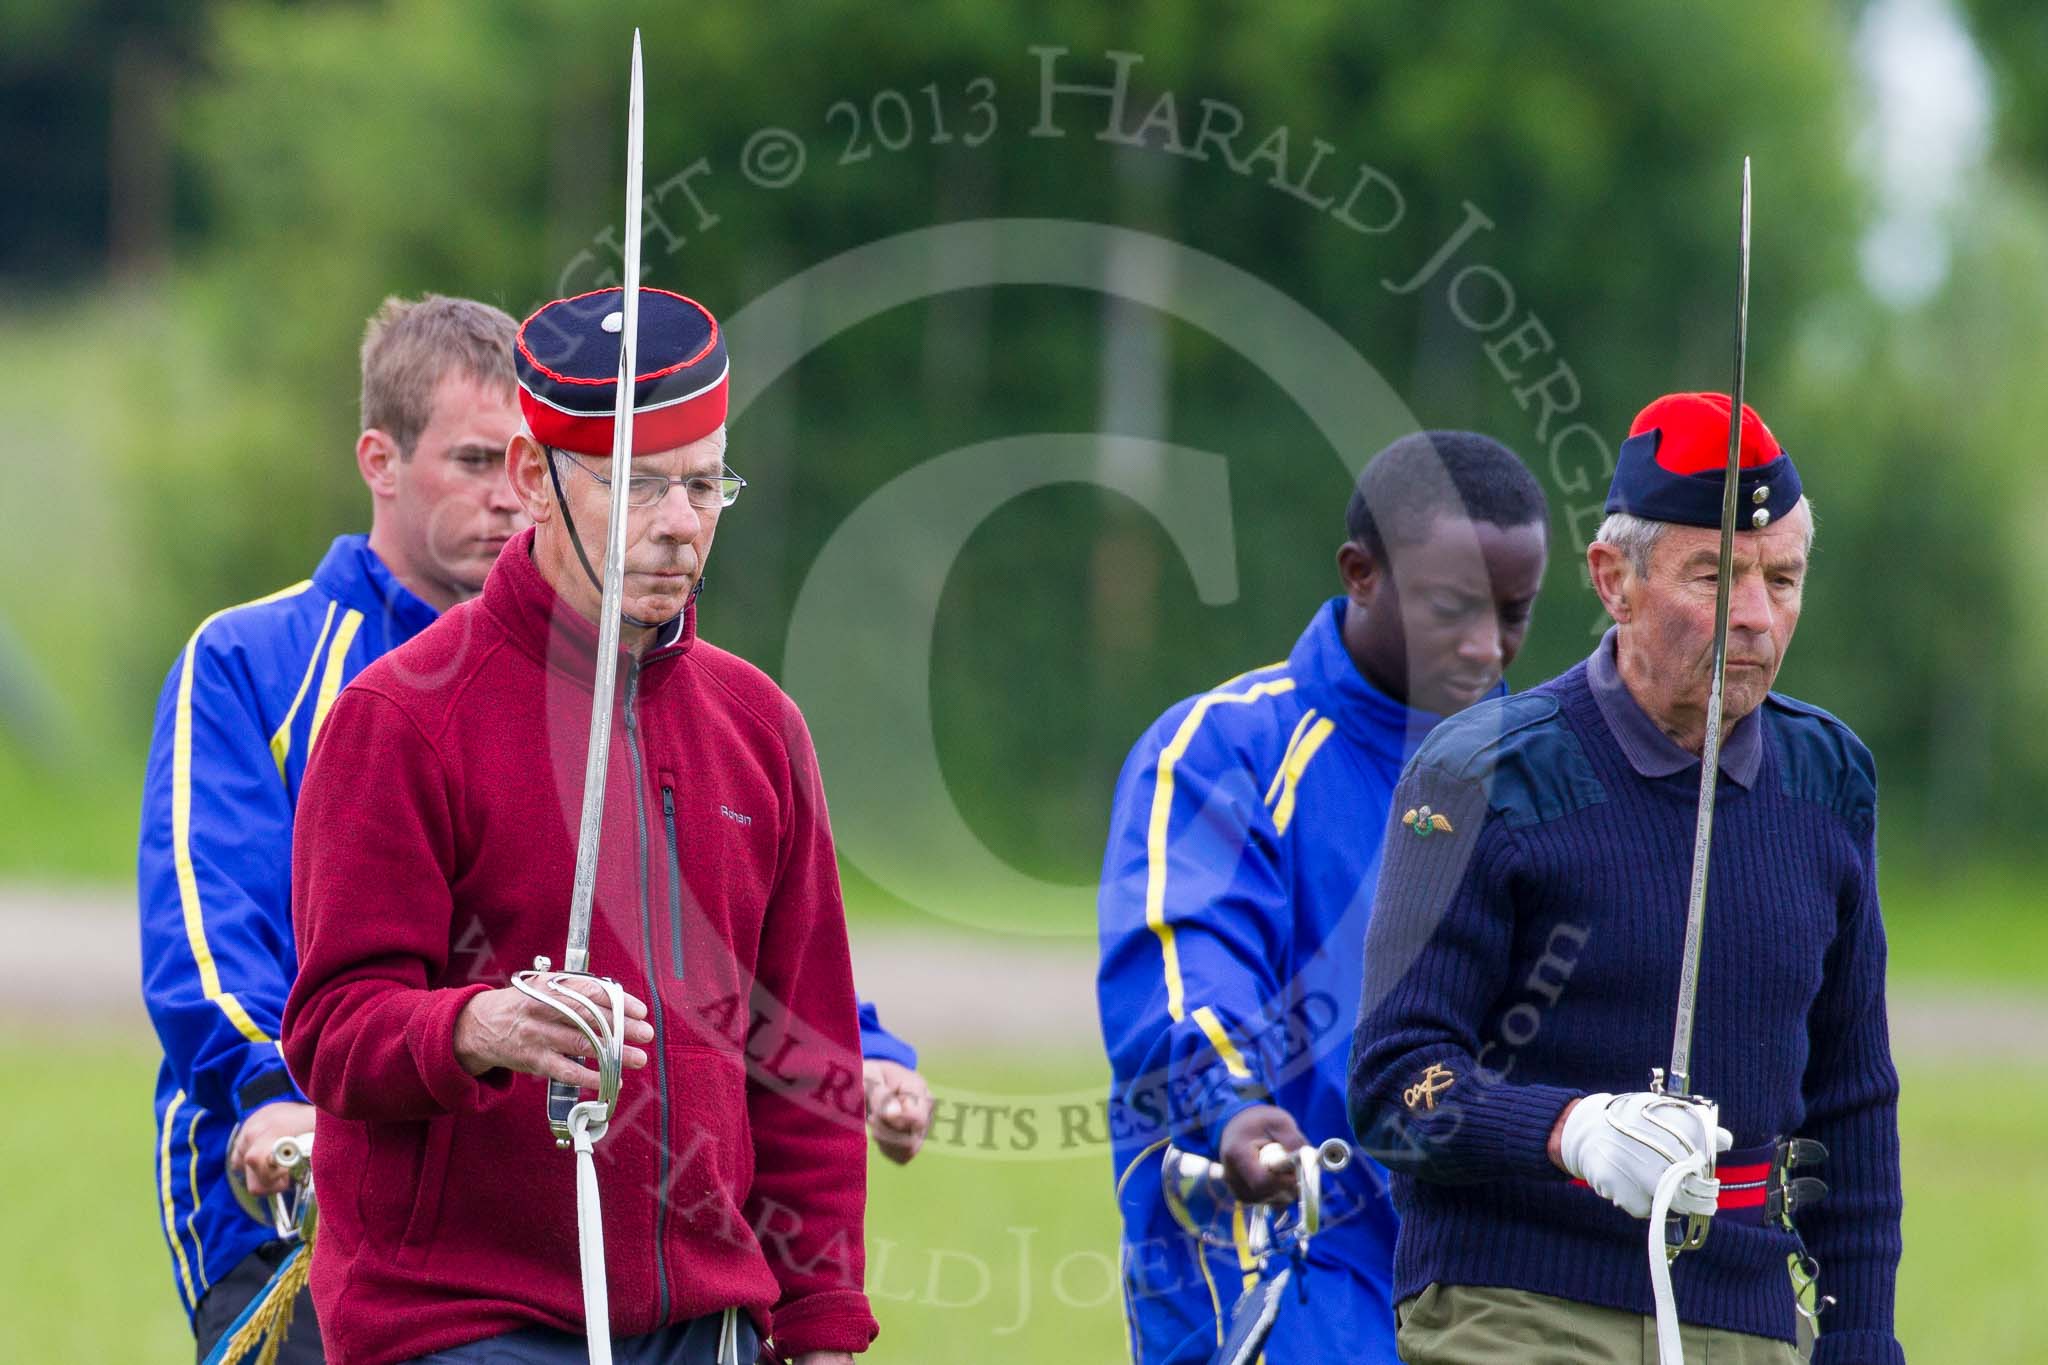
<point x="1673" y="463"/>
<point x="567" y="356"/>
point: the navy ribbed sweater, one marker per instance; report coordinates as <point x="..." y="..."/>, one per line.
<point x="1532" y="952"/>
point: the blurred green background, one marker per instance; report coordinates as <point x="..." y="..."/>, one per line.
<point x="212" y="197"/>
<point x="209" y="198"/>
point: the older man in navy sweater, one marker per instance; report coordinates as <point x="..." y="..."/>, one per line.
<point x="1523" y="959"/>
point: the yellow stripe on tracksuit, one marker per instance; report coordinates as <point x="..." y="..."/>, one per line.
<point x="1291" y="770"/>
<point x="1240" y="1234"/>
<point x="1247" y="1264"/>
<point x="192" y="1187"/>
<point x="1155" y="907"/>
<point x="281" y="742"/>
<point x="170" y="1214"/>
<point x="330" y="682"/>
<point x="181" y="840"/>
<point x="1215" y="1299"/>
<point x="1212" y="1029"/>
<point x="1162" y="812"/>
<point x="1279" y="773"/>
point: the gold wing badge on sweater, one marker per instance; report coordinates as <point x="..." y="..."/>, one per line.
<point x="1434" y="1082"/>
<point x="1425" y="822"/>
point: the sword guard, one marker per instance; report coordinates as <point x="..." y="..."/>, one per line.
<point x="1200" y="1201"/>
<point x="603" y="1026"/>
<point x="1673" y="1086"/>
<point x="1689" y="1233"/>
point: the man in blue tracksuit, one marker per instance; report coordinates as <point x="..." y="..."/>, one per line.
<point x="1243" y="850"/>
<point x="237" y="718"/>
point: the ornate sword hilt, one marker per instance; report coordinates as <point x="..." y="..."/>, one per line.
<point x="1689" y="1233"/>
<point x="285" y="1212"/>
<point x="292" y="1213"/>
<point x="1309" y="1163"/>
<point x="1201" y="1202"/>
<point x="603" y="1026"/>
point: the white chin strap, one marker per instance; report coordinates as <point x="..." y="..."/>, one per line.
<point x="1670" y="1351"/>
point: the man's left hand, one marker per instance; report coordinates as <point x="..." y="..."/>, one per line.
<point x="259" y="1133"/>
<point x="899" y="1108"/>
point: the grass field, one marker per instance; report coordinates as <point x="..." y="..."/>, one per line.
<point x="969" y="1259"/>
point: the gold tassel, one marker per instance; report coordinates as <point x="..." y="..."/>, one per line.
<point x="265" y="1330"/>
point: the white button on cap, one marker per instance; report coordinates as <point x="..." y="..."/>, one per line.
<point x="614" y="322"/>
<point x="1761" y="519"/>
<point x="1761" y="493"/>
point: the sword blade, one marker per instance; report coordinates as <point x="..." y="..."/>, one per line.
<point x="597" y="762"/>
<point x="1680" y="1077"/>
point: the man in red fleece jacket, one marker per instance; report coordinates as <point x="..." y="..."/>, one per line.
<point x="435" y="848"/>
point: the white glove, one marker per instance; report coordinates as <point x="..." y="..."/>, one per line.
<point x="1622" y="1144"/>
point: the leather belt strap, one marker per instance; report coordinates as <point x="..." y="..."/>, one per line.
<point x="1758" y="1187"/>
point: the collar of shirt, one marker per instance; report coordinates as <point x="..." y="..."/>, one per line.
<point x="1330" y="682"/>
<point x="1650" y="751"/>
<point x="549" y="629"/>
<point x="352" y="573"/>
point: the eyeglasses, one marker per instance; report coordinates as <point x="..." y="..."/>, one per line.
<point x="707" y="491"/>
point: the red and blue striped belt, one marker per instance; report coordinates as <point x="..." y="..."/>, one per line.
<point x="1758" y="1186"/>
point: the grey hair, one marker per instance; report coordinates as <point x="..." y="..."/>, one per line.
<point x="1634" y="536"/>
<point x="1637" y="537"/>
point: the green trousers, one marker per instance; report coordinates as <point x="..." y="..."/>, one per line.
<point x="1465" y="1325"/>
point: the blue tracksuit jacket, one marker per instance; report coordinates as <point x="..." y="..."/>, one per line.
<point x="1244" y="847"/>
<point x="236" y="720"/>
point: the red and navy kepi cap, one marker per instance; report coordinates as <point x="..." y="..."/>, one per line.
<point x="1672" y="466"/>
<point x="567" y="356"/>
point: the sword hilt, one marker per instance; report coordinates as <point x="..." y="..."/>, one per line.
<point x="562" y="1098"/>
<point x="1332" y="1154"/>
<point x="1199" y="1198"/>
<point x="1690" y="1232"/>
<point x="292" y="1211"/>
<point x="603" y="1026"/>
<point x="1308" y="1162"/>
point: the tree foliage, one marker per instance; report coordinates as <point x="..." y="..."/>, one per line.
<point x="331" y="154"/>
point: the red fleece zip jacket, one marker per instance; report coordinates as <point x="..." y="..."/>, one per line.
<point x="433" y="857"/>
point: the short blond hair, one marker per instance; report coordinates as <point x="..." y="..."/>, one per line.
<point x="410" y="345"/>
